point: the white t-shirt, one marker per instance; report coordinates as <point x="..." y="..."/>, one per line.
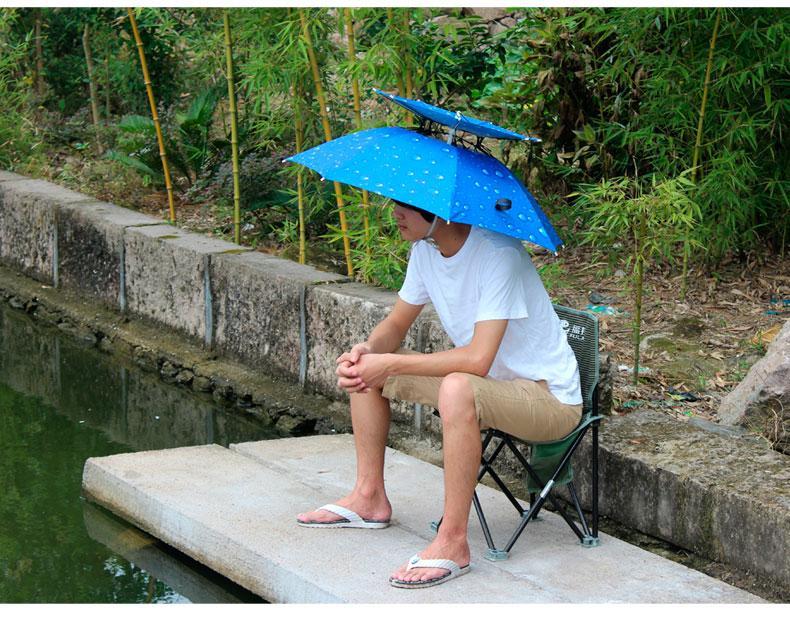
<point x="492" y="277"/>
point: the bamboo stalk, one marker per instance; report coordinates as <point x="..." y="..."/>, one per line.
<point x="107" y="83"/>
<point x="639" y="283"/>
<point x="352" y="55"/>
<point x="154" y="114"/>
<point x="698" y="142"/>
<point x="234" y="133"/>
<point x="398" y="76"/>
<point x="319" y="93"/>
<point x="94" y="93"/>
<point x="39" y="78"/>
<point x="299" y="127"/>
<point x="406" y="57"/>
<point x="407" y="62"/>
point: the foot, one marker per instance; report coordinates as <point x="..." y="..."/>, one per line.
<point x="373" y="509"/>
<point x="457" y="551"/>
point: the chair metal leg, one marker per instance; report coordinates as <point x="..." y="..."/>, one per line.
<point x="588" y="535"/>
<point x="579" y="512"/>
<point x="595" y="479"/>
<point x="536" y="515"/>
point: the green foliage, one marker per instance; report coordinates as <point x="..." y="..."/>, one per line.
<point x="190" y="149"/>
<point x="16" y="140"/>
<point x="618" y="92"/>
<point x="655" y="219"/>
<point x="137" y="148"/>
<point x="614" y="94"/>
<point x="381" y="259"/>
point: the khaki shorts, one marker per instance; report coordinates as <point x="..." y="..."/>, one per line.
<point x="521" y="407"/>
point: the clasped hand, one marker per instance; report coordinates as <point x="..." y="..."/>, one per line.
<point x="361" y="370"/>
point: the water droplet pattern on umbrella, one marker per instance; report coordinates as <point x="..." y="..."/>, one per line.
<point x="454" y="183"/>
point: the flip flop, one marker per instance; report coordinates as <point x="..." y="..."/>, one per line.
<point x="416" y="561"/>
<point x="348" y="520"/>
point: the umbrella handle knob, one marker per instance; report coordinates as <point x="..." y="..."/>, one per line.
<point x="503" y="204"/>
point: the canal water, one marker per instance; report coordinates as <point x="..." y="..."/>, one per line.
<point x="61" y="403"/>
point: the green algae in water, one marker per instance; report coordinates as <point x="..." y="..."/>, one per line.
<point x="59" y="405"/>
<point x="45" y="553"/>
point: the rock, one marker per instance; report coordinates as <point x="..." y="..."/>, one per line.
<point x="662" y="341"/>
<point x="201" y="383"/>
<point x="184" y="377"/>
<point x="688" y="326"/>
<point x="761" y="402"/>
<point x="105" y="345"/>
<point x="80" y="334"/>
<point x="289" y="425"/>
<point x="169" y="371"/>
<point x="606" y="375"/>
<point x="46" y="315"/>
<point x="146" y="360"/>
<point x="596" y="298"/>
<point x="223" y="390"/>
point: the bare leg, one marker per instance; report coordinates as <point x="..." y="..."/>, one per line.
<point x="462" y="448"/>
<point x="370" y="419"/>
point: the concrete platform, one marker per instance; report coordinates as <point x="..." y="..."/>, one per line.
<point x="234" y="511"/>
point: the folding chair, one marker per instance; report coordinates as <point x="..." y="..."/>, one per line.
<point x="549" y="464"/>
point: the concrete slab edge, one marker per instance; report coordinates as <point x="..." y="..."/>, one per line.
<point x="269" y="579"/>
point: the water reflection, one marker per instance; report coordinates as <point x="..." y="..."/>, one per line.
<point x="193" y="581"/>
<point x="59" y="405"/>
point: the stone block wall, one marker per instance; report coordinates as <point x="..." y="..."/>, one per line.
<point x="722" y="497"/>
<point x="288" y="320"/>
<point x="258" y="303"/>
<point x="91" y="248"/>
<point x="28" y="242"/>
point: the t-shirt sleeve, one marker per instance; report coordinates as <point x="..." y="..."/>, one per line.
<point x="503" y="292"/>
<point x="413" y="290"/>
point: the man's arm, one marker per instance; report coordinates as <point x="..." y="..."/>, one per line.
<point x="475" y="358"/>
<point x="386" y="337"/>
<point x="390" y="332"/>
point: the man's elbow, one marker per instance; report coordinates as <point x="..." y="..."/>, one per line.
<point x="480" y="365"/>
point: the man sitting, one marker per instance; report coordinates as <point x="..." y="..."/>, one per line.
<point x="511" y="369"/>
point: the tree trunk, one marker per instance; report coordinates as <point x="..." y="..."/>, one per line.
<point x="39" y="77"/>
<point x="86" y="45"/>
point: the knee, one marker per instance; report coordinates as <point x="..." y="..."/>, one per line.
<point x="456" y="398"/>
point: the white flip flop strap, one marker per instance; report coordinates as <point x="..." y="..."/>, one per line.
<point x="446" y="564"/>
<point x="342" y="512"/>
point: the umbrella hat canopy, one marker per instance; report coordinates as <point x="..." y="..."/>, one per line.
<point x="455" y="120"/>
<point x="454" y="183"/>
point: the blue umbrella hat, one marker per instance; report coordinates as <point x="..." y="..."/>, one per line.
<point x="430" y="114"/>
<point x="453" y="182"/>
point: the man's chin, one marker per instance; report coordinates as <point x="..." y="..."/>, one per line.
<point x="409" y="236"/>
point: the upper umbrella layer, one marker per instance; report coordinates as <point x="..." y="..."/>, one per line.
<point x="455" y="120"/>
<point x="454" y="183"/>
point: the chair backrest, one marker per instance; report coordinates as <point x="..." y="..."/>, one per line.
<point x="581" y="328"/>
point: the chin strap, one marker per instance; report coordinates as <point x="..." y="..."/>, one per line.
<point x="428" y="238"/>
